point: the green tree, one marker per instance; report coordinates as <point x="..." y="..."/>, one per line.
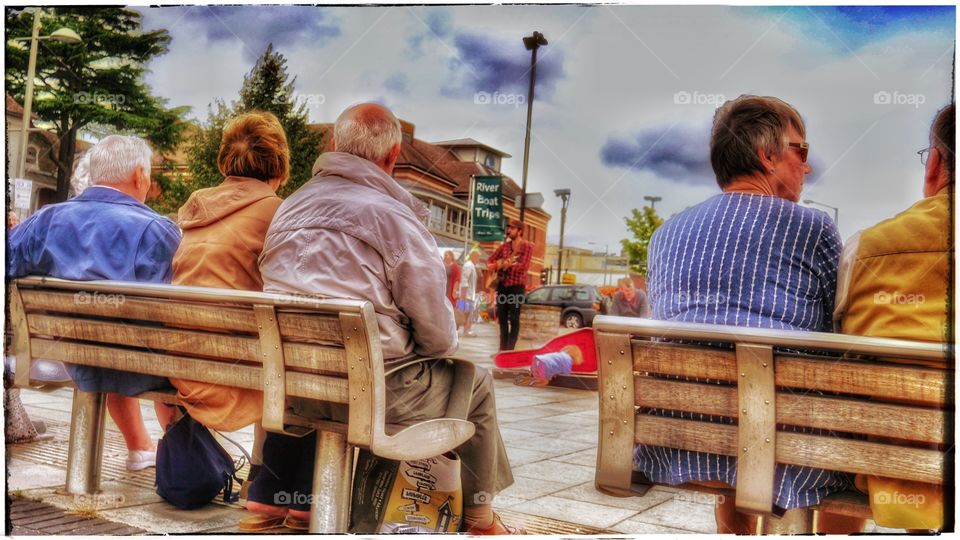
<point x="269" y="88"/>
<point x="96" y="82"/>
<point x="642" y="224"/>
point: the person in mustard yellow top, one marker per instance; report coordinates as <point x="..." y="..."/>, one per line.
<point x="223" y="232"/>
<point x="895" y="281"/>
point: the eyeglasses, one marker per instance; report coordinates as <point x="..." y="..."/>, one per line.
<point x="803" y="147"/>
<point x="924" y="154"/>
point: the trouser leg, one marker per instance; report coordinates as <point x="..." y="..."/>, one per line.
<point x="503" y="319"/>
<point x="485" y="469"/>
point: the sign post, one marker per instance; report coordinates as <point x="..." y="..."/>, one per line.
<point x="486" y="212"/>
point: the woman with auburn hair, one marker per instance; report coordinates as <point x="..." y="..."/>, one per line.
<point x="223" y="232"/>
<point x="749" y="256"/>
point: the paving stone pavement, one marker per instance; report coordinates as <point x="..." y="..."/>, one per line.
<point x="550" y="435"/>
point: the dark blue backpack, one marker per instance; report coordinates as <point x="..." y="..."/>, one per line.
<point x="192" y="467"/>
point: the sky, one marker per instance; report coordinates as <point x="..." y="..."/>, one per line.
<point x="625" y="95"/>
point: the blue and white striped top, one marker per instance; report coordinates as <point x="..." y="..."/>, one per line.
<point x="743" y="260"/>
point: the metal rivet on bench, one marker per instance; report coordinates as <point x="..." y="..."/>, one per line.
<point x="624" y="387"/>
<point x="363" y="388"/>
<point x="768" y="439"/>
<point x="624" y="422"/>
<point x="354" y="328"/>
<point x="743" y="374"/>
<point x="764" y="364"/>
<point x="766" y="402"/>
<point x="610" y="362"/>
<point x="744" y="411"/>
<point x="611" y="432"/>
<point x="276" y="346"/>
<point x="744" y="449"/>
<point x="621" y="352"/>
<point x="611" y="396"/>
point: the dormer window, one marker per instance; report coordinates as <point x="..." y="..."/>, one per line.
<point x="490" y="161"/>
<point x="32" y="153"/>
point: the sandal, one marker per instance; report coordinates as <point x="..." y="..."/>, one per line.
<point x="496" y="528"/>
<point x="262" y="522"/>
<point x="296" y="524"/>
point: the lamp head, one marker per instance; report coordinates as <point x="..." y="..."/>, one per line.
<point x="65" y="35"/>
<point x="534" y="41"/>
<point x="561" y="192"/>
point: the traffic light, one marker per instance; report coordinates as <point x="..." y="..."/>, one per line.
<point x="544" y="276"/>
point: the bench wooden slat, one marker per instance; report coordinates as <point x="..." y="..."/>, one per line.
<point x="824" y="452"/>
<point x="833" y="413"/>
<point x="883" y="381"/>
<point x="215" y="317"/>
<point x="304" y="385"/>
<point x="228" y="347"/>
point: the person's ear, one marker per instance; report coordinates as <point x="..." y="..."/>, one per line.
<point x="766" y="160"/>
<point x="391" y="158"/>
<point x="936" y="176"/>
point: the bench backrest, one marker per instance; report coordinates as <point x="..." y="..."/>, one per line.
<point x="890" y="398"/>
<point x="315" y="348"/>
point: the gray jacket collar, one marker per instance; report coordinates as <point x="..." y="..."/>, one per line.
<point x="363" y="172"/>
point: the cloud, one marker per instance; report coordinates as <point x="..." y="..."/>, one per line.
<point x="848" y="28"/>
<point x="397" y="83"/>
<point x="256" y="26"/>
<point x="488" y="64"/>
<point x="437" y="26"/>
<point x="678" y="154"/>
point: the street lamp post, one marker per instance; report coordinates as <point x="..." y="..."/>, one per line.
<point x="836" y="211"/>
<point x="653" y="201"/>
<point x="532" y="43"/>
<point x="564" y="195"/>
<point x="63" y="35"/>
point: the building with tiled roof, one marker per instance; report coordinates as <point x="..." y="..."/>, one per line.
<point x="40" y="167"/>
<point x="439" y="175"/>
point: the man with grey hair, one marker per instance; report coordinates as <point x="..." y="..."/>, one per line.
<point x="354" y="232"/>
<point x="106" y="232"/>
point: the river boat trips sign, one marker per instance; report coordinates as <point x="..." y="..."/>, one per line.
<point x="487" y="210"/>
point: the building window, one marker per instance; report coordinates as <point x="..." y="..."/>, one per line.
<point x="32" y="153"/>
<point x="436" y="217"/>
<point x="490" y="161"/>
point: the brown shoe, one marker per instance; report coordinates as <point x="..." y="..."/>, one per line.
<point x="497" y="528"/>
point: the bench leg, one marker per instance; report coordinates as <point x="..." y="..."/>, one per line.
<point x="330" y="505"/>
<point x="85" y="451"/>
<point x="795" y="521"/>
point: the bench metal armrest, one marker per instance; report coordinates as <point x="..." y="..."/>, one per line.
<point x="432" y="438"/>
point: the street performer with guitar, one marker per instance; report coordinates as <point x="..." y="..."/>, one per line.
<point x="508" y="273"/>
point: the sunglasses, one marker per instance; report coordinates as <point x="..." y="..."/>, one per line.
<point x="804" y="149"/>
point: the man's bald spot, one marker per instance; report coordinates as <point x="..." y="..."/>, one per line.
<point x="368" y="114"/>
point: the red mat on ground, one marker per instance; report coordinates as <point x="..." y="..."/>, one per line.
<point x="578" y="344"/>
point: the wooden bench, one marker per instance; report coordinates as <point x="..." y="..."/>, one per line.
<point x="326" y="350"/>
<point x="862" y="393"/>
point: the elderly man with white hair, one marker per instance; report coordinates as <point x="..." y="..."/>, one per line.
<point x="353" y="232"/>
<point x="106" y="232"/>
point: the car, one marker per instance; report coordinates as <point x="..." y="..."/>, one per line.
<point x="578" y="304"/>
